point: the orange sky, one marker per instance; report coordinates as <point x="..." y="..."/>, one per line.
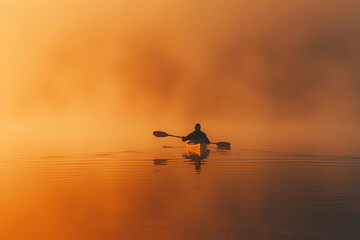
<point x="101" y="75"/>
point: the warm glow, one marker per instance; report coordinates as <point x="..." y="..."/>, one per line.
<point x="80" y="75"/>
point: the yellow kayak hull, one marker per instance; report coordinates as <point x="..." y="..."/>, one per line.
<point x="199" y="148"/>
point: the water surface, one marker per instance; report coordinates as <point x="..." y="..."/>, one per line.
<point x="167" y="193"/>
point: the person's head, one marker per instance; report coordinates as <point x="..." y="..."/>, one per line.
<point x="197" y="127"/>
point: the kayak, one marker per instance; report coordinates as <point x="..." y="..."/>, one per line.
<point x="198" y="148"/>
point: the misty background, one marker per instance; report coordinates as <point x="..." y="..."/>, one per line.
<point x="102" y="75"/>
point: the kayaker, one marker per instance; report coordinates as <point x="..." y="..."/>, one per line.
<point x="198" y="136"/>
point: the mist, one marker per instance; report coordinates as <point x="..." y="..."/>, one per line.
<point x="101" y="76"/>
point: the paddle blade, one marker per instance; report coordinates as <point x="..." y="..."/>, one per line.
<point x="160" y="134"/>
<point x="223" y="145"/>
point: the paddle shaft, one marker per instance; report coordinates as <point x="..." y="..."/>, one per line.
<point x="174" y="136"/>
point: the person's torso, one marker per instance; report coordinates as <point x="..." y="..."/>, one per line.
<point x="198" y="136"/>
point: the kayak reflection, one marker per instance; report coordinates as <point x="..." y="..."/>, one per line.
<point x="192" y="157"/>
<point x="196" y="158"/>
<point x="196" y="154"/>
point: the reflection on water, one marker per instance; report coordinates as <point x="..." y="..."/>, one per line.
<point x="196" y="159"/>
<point x="193" y="158"/>
<point x="159" y="194"/>
<point x="160" y="161"/>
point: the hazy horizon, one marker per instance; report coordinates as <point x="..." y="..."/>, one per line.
<point x="100" y="76"/>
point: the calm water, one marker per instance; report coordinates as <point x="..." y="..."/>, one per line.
<point x="165" y="193"/>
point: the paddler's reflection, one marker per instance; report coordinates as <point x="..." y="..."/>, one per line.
<point x="197" y="159"/>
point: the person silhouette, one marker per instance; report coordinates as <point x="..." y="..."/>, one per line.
<point x="197" y="136"/>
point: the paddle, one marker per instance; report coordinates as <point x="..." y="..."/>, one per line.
<point x="163" y="134"/>
<point x="220" y="145"/>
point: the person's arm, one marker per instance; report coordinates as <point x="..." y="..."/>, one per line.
<point x="207" y="141"/>
<point x="188" y="137"/>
